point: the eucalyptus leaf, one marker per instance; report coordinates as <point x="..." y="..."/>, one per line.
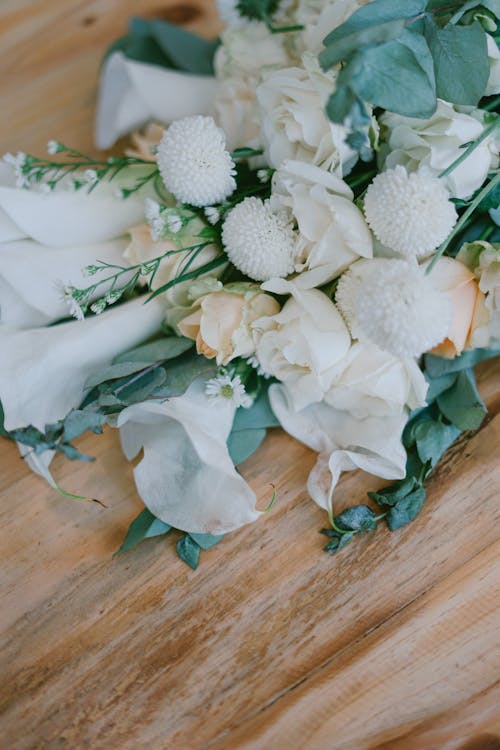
<point x="114" y="372"/>
<point x="206" y="541"/>
<point x="244" y="443"/>
<point x="258" y="416"/>
<point x="358" y="518"/>
<point x="439" y="385"/>
<point x="338" y="542"/>
<point x="433" y="439"/>
<point x="144" y="526"/>
<point x="390" y="496"/>
<point x="492" y="5"/>
<point x="189" y="551"/>
<point x="143" y="387"/>
<point x="77" y="422"/>
<point x="376" y="13"/>
<point x="160" y="350"/>
<point x="342" y="48"/>
<point x="460" y="61"/>
<point x="461" y="404"/>
<point x="406" y="510"/>
<point x="438" y="366"/>
<point x="181" y="372"/>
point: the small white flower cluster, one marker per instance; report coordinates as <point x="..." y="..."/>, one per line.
<point x="228" y="387"/>
<point x="18" y="163"/>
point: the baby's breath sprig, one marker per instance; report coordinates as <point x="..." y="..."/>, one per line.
<point x="76" y="170"/>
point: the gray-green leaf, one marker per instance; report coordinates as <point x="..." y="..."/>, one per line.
<point x="461" y="404"/>
<point x="145" y="526"/>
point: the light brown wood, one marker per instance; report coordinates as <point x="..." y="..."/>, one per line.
<point x="270" y="644"/>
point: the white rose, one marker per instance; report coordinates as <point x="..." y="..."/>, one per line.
<point x="304" y="344"/>
<point x="294" y="124"/>
<point x="320" y="18"/>
<point x="249" y="49"/>
<point x="333" y="231"/>
<point x="493" y="86"/>
<point x="374" y="383"/>
<point x="437" y="142"/>
<point x="236" y="111"/>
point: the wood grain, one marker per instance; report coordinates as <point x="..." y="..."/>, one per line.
<point x="270" y="644"/>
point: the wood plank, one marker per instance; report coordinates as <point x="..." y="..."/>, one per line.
<point x="270" y="643"/>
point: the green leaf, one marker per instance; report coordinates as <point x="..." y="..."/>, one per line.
<point x="77" y="422"/>
<point x="258" y="416"/>
<point x="143" y="387"/>
<point x="438" y="366"/>
<point x="460" y="61"/>
<point x="145" y="526"/>
<point x="342" y="48"/>
<point x="182" y="372"/>
<point x="72" y="453"/>
<point x="406" y="510"/>
<point x="161" y="43"/>
<point x="338" y="542"/>
<point x="243" y="444"/>
<point x="257" y="9"/>
<point x="492" y="5"/>
<point x="161" y="350"/>
<point x="438" y="385"/>
<point x="396" y="76"/>
<point x="206" y="541"/>
<point x="376" y="13"/>
<point x="114" y="372"/>
<point x="358" y="518"/>
<point x="461" y="404"/>
<point x="390" y="496"/>
<point x="189" y="551"/>
<point x="433" y="439"/>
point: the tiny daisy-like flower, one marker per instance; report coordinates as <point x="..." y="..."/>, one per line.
<point x="151" y="209"/>
<point x="174" y="223"/>
<point x="254" y="362"/>
<point x="67" y="294"/>
<point x="225" y="387"/>
<point x="395" y="305"/>
<point x="18" y="162"/>
<point x="259" y="241"/>
<point x="91" y="176"/>
<point x="212" y="214"/>
<point x="409" y="213"/>
<point x="194" y="162"/>
<point x="263" y="175"/>
<point x="53" y="147"/>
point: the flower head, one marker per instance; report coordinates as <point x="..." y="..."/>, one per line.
<point x="194" y="162"/>
<point x="68" y="294"/>
<point x="395" y="305"/>
<point x="259" y="241"/>
<point x="227" y="387"/>
<point x="18" y="163"/>
<point x="410" y="213"/>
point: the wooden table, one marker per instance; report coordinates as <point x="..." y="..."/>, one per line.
<point x="270" y="644"/>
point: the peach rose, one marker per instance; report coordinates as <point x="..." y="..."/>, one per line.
<point x="469" y="310"/>
<point x="222" y="324"/>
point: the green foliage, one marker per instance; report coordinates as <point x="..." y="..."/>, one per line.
<point x="145" y="526"/>
<point x="161" y="43"/>
<point x="347" y="524"/>
<point x="402" y="54"/>
<point x="243" y="443"/>
<point x="257" y="10"/>
<point x="461" y="404"/>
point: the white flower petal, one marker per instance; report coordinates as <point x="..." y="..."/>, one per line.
<point x="132" y="93"/>
<point x="30" y="271"/>
<point x="187" y="478"/>
<point x="43" y="371"/>
<point x="344" y="442"/>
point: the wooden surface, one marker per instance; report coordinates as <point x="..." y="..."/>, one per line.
<point x="270" y="644"/>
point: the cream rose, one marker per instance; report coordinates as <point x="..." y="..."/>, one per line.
<point x="437" y="142"/>
<point x="237" y="54"/>
<point x="375" y="383"/>
<point x="222" y="322"/>
<point x="333" y="231"/>
<point x="467" y="328"/>
<point x="142" y="248"/>
<point x="294" y="122"/>
<point x="304" y="344"/>
<point x="320" y="18"/>
<point x="483" y="259"/>
<point x="236" y="112"/>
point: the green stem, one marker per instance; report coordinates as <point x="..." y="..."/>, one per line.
<point x="472" y="147"/>
<point x="491" y="105"/>
<point x="463" y="219"/>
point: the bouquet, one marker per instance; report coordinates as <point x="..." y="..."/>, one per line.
<point x="305" y="235"/>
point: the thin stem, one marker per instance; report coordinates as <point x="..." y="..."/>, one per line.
<point x="472" y="147"/>
<point x="463" y="219"/>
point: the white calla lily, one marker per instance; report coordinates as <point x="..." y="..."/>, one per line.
<point x="43" y="371"/>
<point x="133" y="93"/>
<point x="343" y="442"/>
<point x="186" y="477"/>
<point x="29" y="272"/>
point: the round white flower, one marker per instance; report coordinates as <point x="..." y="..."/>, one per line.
<point x="409" y="213"/>
<point x="395" y="305"/>
<point x="332" y="230"/>
<point x="228" y="388"/>
<point x="437" y="142"/>
<point x="304" y="344"/>
<point x="259" y="241"/>
<point x="294" y="123"/>
<point x="194" y="162"/>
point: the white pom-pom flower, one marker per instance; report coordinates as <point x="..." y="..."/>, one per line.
<point x="395" y="305"/>
<point x="260" y="242"/>
<point x="194" y="162"/>
<point x="409" y="213"/>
